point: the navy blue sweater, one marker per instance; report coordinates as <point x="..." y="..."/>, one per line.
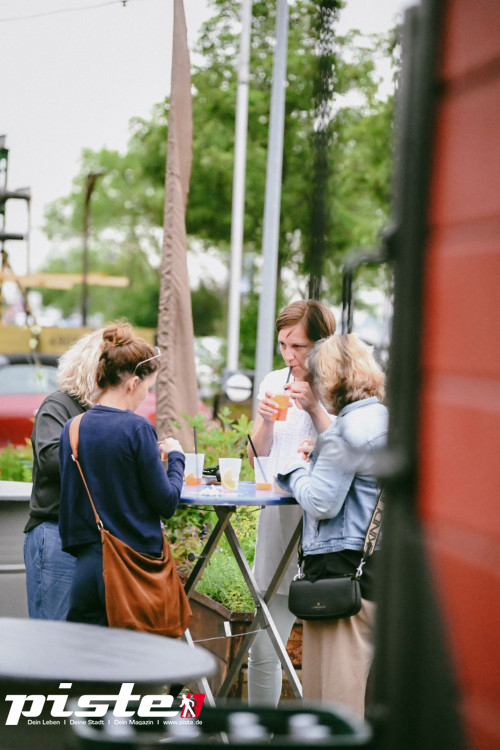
<point x="120" y="458"/>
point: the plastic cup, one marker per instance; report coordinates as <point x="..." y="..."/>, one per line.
<point x="193" y="470"/>
<point x="229" y="469"/>
<point x="283" y="401"/>
<point x="264" y="472"/>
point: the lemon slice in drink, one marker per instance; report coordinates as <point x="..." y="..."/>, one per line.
<point x="228" y="480"/>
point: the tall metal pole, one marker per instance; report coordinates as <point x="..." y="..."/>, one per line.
<point x="270" y="238"/>
<point x="238" y="205"/>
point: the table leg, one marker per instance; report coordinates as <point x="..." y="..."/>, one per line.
<point x="285" y="562"/>
<point x="195" y="575"/>
<point x="203" y="559"/>
<point x="263" y="616"/>
<point x="203" y="683"/>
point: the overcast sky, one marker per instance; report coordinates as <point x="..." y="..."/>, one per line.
<point x="73" y="79"/>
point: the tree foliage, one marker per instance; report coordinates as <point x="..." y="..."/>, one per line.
<point x="127" y="204"/>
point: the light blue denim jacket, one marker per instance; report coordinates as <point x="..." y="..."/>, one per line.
<point x="339" y="492"/>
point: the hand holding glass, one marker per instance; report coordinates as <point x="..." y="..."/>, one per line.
<point x="283" y="401"/>
<point x="167" y="445"/>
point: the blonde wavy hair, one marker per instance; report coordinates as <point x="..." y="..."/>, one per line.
<point x="344" y="370"/>
<point x="77" y="368"/>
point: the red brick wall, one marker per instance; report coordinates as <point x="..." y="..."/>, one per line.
<point x="460" y="437"/>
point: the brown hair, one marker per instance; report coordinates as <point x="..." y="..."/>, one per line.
<point x="344" y="370"/>
<point x="123" y="354"/>
<point x="317" y="318"/>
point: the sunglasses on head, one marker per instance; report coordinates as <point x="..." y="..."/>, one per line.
<point x="143" y="362"/>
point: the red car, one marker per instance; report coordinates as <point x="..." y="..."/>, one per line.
<point x="24" y="383"/>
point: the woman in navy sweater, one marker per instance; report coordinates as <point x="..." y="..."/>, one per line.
<point x="120" y="457"/>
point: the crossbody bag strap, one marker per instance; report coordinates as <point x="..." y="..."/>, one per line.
<point x="373" y="532"/>
<point x="74" y="433"/>
<point x="371" y="537"/>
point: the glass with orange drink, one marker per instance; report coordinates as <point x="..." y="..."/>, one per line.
<point x="193" y="470"/>
<point x="283" y="402"/>
<point x="264" y="472"/>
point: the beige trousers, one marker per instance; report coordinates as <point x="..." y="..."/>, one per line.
<point x="336" y="659"/>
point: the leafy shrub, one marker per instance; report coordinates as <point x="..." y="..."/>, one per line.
<point x="222" y="579"/>
<point x="225" y="437"/>
<point x="16" y="463"/>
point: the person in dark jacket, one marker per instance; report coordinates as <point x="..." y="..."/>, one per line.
<point x="49" y="570"/>
<point x="120" y="457"/>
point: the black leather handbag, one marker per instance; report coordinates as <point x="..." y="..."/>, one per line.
<point x="334" y="597"/>
<point x="325" y="598"/>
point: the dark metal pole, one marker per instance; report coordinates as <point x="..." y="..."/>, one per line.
<point x="89" y="188"/>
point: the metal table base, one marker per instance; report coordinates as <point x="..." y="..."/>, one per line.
<point x="224" y="508"/>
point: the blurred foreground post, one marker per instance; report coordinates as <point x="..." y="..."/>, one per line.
<point x="176" y="390"/>
<point x="238" y="205"/>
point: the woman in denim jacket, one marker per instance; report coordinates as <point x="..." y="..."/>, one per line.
<point x="338" y="496"/>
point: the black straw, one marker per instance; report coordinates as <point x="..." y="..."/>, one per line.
<point x="257" y="458"/>
<point x="195" y="449"/>
<point x="289" y="373"/>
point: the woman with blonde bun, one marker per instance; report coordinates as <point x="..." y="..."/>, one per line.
<point x="121" y="460"/>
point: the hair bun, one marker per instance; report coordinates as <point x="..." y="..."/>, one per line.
<point x="122" y="352"/>
<point x="118" y="334"/>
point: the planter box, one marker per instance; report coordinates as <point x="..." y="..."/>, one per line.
<point x="13" y="517"/>
<point x="208" y="622"/>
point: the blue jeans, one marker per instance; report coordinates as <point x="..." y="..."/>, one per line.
<point x="49" y="573"/>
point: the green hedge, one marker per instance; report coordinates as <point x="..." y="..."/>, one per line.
<point x="16" y="463"/>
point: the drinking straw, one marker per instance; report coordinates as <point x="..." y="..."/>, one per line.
<point x="257" y="458"/>
<point x="289" y="373"/>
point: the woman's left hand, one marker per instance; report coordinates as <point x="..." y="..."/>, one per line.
<point x="170" y="444"/>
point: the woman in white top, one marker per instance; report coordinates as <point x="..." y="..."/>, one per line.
<point x="299" y="326"/>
